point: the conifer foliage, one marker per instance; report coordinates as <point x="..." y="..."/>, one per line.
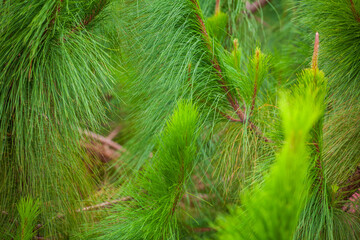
<point x="225" y="127"/>
<point x="158" y="189"/>
<point x="54" y="73"/>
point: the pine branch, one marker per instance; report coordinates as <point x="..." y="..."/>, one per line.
<point x="56" y="10"/>
<point x="88" y="19"/>
<point x="95" y="12"/>
<point x="318" y="126"/>
<point x="262" y="214"/>
<point x="338" y="22"/>
<point x="44" y="83"/>
<point x="232" y="100"/>
<point x="318" y="209"/>
<point x="160" y="186"/>
<point x="29" y="212"/>
<point x="353" y="10"/>
<point x="179" y="187"/>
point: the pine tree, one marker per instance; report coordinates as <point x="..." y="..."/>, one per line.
<point x="55" y="70"/>
<point x="236" y="124"/>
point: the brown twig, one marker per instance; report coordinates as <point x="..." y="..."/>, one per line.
<point x="260" y="20"/>
<point x="253" y="7"/>
<point x="104" y="140"/>
<point x="101" y="151"/>
<point x="105" y="204"/>
<point x="353" y="9"/>
<point x="94" y="207"/>
<point x="114" y="133"/>
<point x="230" y="118"/>
<point x="112" y="154"/>
<point x="103" y="148"/>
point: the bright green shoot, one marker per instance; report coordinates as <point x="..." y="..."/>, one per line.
<point x="272" y="210"/>
<point x="159" y="187"/>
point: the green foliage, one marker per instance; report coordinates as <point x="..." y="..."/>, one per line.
<point x="257" y="70"/>
<point x="54" y="73"/>
<point x="28" y="212"/>
<point x="241" y="150"/>
<point x="270" y="148"/>
<point x="338" y="23"/>
<point x="217" y="25"/>
<point x="193" y="68"/>
<point x="271" y="211"/>
<point x="155" y="193"/>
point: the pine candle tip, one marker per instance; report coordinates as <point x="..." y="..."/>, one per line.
<point x="316" y="52"/>
<point x="236" y="43"/>
<point x="217" y="7"/>
<point x="257" y="53"/>
<point x="317" y="39"/>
